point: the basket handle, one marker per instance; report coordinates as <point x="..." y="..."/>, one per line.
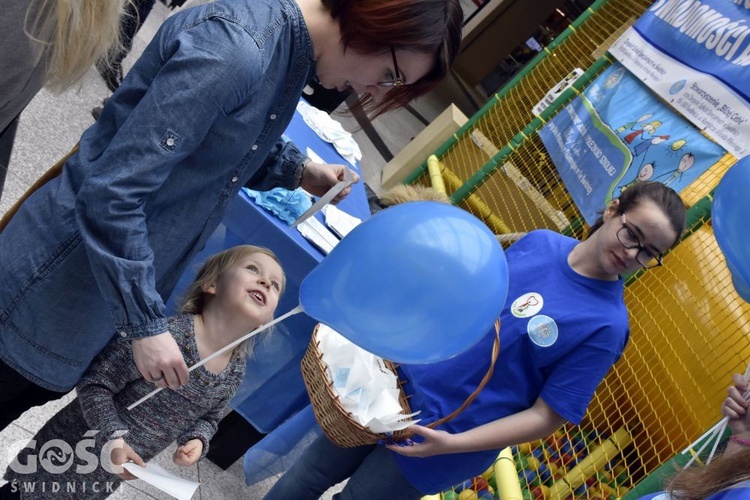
<point x="487" y="377"/>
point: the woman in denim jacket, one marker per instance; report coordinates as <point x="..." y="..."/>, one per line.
<point x="90" y="256"/>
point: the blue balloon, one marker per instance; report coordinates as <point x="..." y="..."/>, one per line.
<point x="417" y="283"/>
<point x="729" y="213"/>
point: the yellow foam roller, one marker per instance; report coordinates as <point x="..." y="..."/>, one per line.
<point x="506" y="477"/>
<point x="586" y="468"/>
<point x="436" y="178"/>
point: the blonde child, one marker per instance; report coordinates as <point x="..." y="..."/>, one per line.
<point x="235" y="292"/>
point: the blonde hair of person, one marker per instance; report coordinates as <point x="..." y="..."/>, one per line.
<point x="71" y="35"/>
<point x="194" y="299"/>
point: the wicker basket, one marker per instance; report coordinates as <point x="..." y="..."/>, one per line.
<point x="338" y="424"/>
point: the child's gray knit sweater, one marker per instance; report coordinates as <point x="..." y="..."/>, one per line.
<point x="111" y="383"/>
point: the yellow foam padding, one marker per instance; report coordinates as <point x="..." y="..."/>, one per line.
<point x="506" y="477"/>
<point x="599" y="456"/>
<point x="476" y="205"/>
<point x="433" y="167"/>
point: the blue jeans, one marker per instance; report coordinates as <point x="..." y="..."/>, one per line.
<point x="372" y="473"/>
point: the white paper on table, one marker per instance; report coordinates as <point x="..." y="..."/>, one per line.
<point x="331" y="131"/>
<point x="316" y="233"/>
<point x="158" y="477"/>
<point x="339" y="221"/>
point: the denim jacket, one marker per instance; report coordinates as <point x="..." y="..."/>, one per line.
<point x="93" y="253"/>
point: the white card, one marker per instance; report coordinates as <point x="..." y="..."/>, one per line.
<point x="157" y="476"/>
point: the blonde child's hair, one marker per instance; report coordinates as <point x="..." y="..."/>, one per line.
<point x="194" y="300"/>
<point x="404" y="193"/>
<point x="71" y="35"/>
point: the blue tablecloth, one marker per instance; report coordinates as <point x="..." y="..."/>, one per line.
<point x="273" y="389"/>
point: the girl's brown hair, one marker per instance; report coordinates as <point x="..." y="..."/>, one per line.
<point x="424" y="26"/>
<point x="701" y="482"/>
<point x="664" y="197"/>
<point x="194" y="299"/>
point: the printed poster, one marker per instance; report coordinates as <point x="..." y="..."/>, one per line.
<point x="617" y="134"/>
<point x="696" y="56"/>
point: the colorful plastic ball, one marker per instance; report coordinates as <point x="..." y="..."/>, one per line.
<point x="525" y="448"/>
<point x="479" y="483"/>
<point x="526" y="494"/>
<point x="566" y="458"/>
<point x="622" y="491"/>
<point x="528" y="475"/>
<point x="578" y="444"/>
<point x="544" y="473"/>
<point x="485" y="495"/>
<point x="468" y="495"/>
<point x="466" y="484"/>
<point x="449" y="495"/>
<point x="604" y="476"/>
<point x="532" y="463"/>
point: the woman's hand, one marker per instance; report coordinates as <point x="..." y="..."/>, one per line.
<point x="318" y="178"/>
<point x="435" y="443"/>
<point x="189" y="453"/>
<point x="735" y="406"/>
<point x="121" y="453"/>
<point x="160" y="361"/>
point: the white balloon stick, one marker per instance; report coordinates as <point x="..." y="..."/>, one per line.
<point x="224" y="349"/>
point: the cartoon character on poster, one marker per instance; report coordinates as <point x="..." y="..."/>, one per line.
<point x="647" y="137"/>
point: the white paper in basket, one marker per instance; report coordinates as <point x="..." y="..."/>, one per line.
<point x="365" y="388"/>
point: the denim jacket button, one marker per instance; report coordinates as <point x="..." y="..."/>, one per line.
<point x="272" y="117"/>
<point x="235" y="178"/>
<point x="255" y="146"/>
<point x="123" y="334"/>
<point x="170" y="141"/>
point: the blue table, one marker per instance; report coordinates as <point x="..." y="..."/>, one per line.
<point x="273" y="388"/>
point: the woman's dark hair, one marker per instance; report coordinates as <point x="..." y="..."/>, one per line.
<point x="664" y="197"/>
<point x="424" y="26"/>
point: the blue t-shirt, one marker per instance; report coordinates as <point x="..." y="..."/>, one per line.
<point x="560" y="333"/>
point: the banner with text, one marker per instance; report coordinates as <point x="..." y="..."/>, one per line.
<point x="617" y="134"/>
<point x="695" y="54"/>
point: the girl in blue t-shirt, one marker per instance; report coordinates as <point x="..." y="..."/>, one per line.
<point x="727" y="477"/>
<point x="564" y="325"/>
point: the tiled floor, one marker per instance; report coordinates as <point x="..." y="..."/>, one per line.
<point x="50" y="126"/>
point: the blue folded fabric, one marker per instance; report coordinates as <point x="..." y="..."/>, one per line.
<point x="285" y="204"/>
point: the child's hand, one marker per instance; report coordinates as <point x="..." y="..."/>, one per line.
<point x="189" y="453"/>
<point x="735" y="406"/>
<point x="121" y="453"/>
